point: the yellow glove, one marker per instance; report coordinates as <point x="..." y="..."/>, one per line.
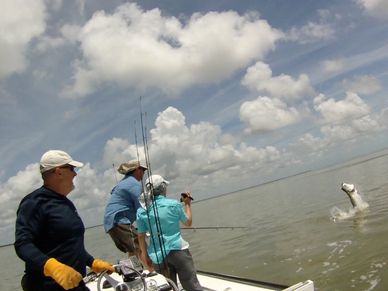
<point x="100" y="266"/>
<point x="63" y="274"/>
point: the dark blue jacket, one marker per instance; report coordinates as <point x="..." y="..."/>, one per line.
<point x="48" y="226"/>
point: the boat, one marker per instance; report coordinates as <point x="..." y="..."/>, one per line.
<point x="131" y="277"/>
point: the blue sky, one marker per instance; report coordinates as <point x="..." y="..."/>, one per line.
<point x="234" y="93"/>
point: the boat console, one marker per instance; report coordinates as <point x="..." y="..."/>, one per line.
<point x="129" y="276"/>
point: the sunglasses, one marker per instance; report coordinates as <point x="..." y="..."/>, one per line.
<point x="72" y="168"/>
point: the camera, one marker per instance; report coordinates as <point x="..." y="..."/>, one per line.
<point x="184" y="195"/>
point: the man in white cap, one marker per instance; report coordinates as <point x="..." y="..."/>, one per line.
<point x="49" y="233"/>
<point x="120" y="212"/>
<point x="167" y="250"/>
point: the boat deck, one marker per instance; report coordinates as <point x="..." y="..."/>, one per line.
<point x="220" y="282"/>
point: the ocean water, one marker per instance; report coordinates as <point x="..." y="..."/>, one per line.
<point x="297" y="228"/>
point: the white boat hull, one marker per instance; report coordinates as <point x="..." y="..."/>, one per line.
<point x="210" y="282"/>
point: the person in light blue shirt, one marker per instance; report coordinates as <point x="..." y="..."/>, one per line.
<point x="167" y="251"/>
<point x="120" y="212"/>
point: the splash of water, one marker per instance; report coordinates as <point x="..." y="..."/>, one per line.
<point x="331" y="264"/>
<point x="339" y="214"/>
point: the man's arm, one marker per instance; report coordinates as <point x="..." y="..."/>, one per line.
<point x="27" y="232"/>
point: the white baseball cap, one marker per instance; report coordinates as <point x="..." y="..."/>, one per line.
<point x="55" y="158"/>
<point x="156" y="185"/>
<point x="156" y="181"/>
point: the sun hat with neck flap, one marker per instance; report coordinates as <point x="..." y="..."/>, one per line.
<point x="130" y="166"/>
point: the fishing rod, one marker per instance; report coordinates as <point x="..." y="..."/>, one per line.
<point x="137" y="148"/>
<point x="146" y="198"/>
<point x="215" y="227"/>
<point x="153" y="203"/>
<point x="114" y="172"/>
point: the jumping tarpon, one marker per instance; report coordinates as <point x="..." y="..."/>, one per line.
<point x="350" y="190"/>
<point x="354" y="196"/>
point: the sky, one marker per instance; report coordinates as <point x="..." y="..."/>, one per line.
<point x="224" y="94"/>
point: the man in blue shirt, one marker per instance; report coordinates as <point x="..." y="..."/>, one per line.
<point x="120" y="212"/>
<point x="167" y="250"/>
<point x="49" y="234"/>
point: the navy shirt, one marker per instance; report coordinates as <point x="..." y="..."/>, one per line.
<point x="48" y="226"/>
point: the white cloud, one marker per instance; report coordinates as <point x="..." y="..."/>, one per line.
<point x="54" y="5"/>
<point x="71" y="32"/>
<point x="186" y="155"/>
<point x="308" y="142"/>
<point x="350" y="131"/>
<point x="311" y="32"/>
<point x="47" y="43"/>
<point x="347" y="120"/>
<point x="383" y="117"/>
<point x="11" y="192"/>
<point x="20" y="22"/>
<point x="118" y="150"/>
<point x="363" y="84"/>
<point x="265" y="114"/>
<point x="335" y="133"/>
<point x="194" y="150"/>
<point x="92" y="189"/>
<point x="333" y="111"/>
<point x="259" y="77"/>
<point x="17" y="186"/>
<point x="333" y="66"/>
<point x="366" y="124"/>
<point x="377" y="8"/>
<point x="314" y="31"/>
<point x="332" y="134"/>
<point x="145" y="49"/>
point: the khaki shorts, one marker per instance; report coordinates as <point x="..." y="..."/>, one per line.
<point x="125" y="238"/>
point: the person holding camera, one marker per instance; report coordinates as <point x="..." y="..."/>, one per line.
<point x="167" y="250"/>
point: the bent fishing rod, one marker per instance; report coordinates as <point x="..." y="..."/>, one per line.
<point x="215" y="227"/>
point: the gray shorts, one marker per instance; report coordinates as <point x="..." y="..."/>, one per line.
<point x="125" y="238"/>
